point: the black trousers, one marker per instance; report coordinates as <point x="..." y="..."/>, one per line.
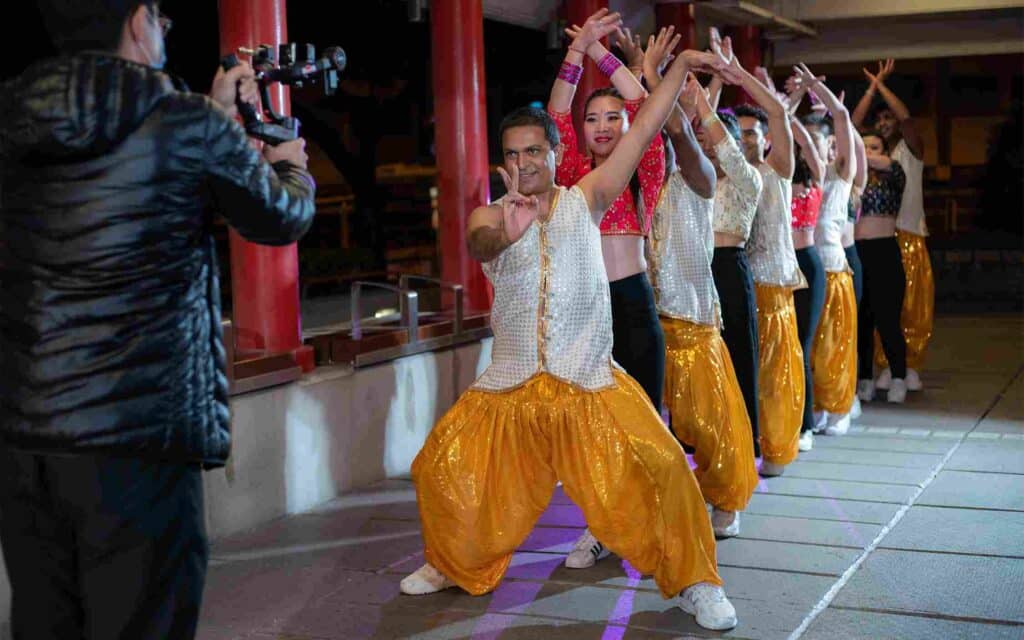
<point x="809" y="304"/>
<point x="853" y="259"/>
<point x="102" y="547"/>
<point x="880" y="306"/>
<point x="639" y="340"/>
<point x="739" y="324"/>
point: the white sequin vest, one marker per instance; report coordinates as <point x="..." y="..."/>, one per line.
<point x="552" y="308"/>
<point x="682" y="244"/>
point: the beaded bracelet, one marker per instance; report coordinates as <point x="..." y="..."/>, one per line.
<point x="570" y="72"/>
<point x="709" y="120"/>
<point x="609" y="64"/>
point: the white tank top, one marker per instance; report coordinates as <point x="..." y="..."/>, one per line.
<point x="911" y="215"/>
<point x="552" y="307"/>
<point x="828" y="234"/>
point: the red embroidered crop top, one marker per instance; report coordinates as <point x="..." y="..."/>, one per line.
<point x="622" y="217"/>
<point x="805" y="209"/>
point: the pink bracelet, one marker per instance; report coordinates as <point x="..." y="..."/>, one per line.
<point x="570" y="73"/>
<point x="609" y="64"/>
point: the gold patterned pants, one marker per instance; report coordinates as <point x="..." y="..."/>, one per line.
<point x="489" y="467"/>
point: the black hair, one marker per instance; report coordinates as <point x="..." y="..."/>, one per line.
<point x="531" y="117"/>
<point x="822" y="122"/>
<point x="731" y="124"/>
<point x="874" y="133"/>
<point x="750" y="111"/>
<point x="610" y="92"/>
<point x="79" y="25"/>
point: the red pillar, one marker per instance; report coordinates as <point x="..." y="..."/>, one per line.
<point x="264" y="280"/>
<point x="457" y="56"/>
<point x="678" y="14"/>
<point x="747" y="45"/>
<point x="577" y="12"/>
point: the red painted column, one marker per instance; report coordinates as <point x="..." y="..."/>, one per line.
<point x="678" y="14"/>
<point x="577" y="12"/>
<point x="264" y="280"/>
<point x="457" y="56"/>
<point x="747" y="45"/>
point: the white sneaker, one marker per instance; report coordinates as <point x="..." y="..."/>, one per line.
<point x="838" y="425"/>
<point x="425" y="580"/>
<point x="771" y="470"/>
<point x="898" y="391"/>
<point x="586" y="552"/>
<point x="806" y="441"/>
<point x="866" y="390"/>
<point x="725" y="523"/>
<point x="913" y="380"/>
<point x="884" y="380"/>
<point x="820" y="422"/>
<point x="855" y="411"/>
<point x="708" y="604"/>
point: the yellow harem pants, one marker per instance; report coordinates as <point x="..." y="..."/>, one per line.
<point x="918" y="314"/>
<point x="708" y="412"/>
<point x="834" y="354"/>
<point x="489" y="467"/>
<point x="780" y="384"/>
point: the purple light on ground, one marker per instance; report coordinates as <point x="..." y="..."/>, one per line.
<point x="690" y="459"/>
<point x="624" y="607"/>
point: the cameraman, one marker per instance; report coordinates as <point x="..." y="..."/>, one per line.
<point x="113" y="395"/>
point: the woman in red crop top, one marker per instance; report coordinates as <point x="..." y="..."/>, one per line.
<point x="810" y="302"/>
<point x="639" y="341"/>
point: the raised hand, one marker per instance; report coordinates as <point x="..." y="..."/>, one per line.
<point x="517" y="211"/>
<point x="659" y="51"/>
<point x="629" y="43"/>
<point x="807" y="80"/>
<point x="722" y="45"/>
<point x="691" y="94"/>
<point x="599" y="25"/>
<point x="885" y="70"/>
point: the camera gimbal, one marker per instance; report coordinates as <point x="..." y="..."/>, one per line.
<point x="298" y="65"/>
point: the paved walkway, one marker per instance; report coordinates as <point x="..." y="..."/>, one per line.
<point x="911" y="526"/>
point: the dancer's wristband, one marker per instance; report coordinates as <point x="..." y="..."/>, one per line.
<point x="609" y="64"/>
<point x="709" y="120"/>
<point x="570" y="73"/>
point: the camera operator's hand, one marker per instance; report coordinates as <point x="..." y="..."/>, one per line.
<point x="293" y="151"/>
<point x="240" y="81"/>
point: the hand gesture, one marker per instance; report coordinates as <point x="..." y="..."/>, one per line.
<point x="805" y="79"/>
<point x="517" y="211"/>
<point x="293" y="151"/>
<point x="237" y="81"/>
<point x="724" y="46"/>
<point x="885" y="70"/>
<point x="691" y="94"/>
<point x="728" y="67"/>
<point x="762" y="76"/>
<point x="600" y="25"/>
<point x="659" y="51"/>
<point x="629" y="44"/>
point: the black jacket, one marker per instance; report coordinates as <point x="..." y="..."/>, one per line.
<point x="110" y="337"/>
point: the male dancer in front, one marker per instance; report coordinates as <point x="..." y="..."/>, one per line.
<point x="552" y="405"/>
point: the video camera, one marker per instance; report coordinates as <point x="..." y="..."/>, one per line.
<point x="298" y="65"/>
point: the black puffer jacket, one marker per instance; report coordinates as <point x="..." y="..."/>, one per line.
<point x="110" y="337"/>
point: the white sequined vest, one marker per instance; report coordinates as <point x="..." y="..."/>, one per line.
<point x="770" y="246"/>
<point x="682" y="244"/>
<point x="552" y="308"/>
<point x="828" y="234"/>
